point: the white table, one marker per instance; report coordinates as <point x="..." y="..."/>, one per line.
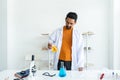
<point x="71" y="75"/>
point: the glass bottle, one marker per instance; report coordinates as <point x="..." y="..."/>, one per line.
<point x="62" y="71"/>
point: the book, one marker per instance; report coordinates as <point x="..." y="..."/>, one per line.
<point x="22" y="74"/>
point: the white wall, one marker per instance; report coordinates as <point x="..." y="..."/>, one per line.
<point x="114" y="38"/>
<point x="0" y="32"/>
<point x="116" y="24"/>
<point x="111" y="36"/>
<point x="27" y="19"/>
<point x="96" y="18"/>
<point x="3" y="34"/>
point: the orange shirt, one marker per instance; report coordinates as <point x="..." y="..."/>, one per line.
<point x="66" y="47"/>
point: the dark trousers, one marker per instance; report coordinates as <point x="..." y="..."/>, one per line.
<point x="67" y="64"/>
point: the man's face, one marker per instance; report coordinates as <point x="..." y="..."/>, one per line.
<point x="70" y="23"/>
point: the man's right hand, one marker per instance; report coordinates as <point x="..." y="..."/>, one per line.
<point x="49" y="46"/>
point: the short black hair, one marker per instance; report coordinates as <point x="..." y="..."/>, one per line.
<point x="72" y="15"/>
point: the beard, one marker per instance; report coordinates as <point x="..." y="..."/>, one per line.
<point x="68" y="27"/>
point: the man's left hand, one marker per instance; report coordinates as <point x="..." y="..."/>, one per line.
<point x="80" y="69"/>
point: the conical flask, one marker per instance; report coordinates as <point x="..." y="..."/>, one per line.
<point x="62" y="71"/>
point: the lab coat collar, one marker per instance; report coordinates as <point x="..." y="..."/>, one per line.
<point x="74" y="28"/>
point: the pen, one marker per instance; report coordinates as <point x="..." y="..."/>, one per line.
<point x="102" y="75"/>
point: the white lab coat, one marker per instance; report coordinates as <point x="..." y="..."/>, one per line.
<point x="77" y="47"/>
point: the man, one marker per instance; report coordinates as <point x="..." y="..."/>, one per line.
<point x="69" y="43"/>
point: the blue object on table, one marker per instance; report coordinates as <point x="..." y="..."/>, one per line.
<point x="62" y="71"/>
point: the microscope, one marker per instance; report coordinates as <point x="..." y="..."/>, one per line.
<point x="32" y="68"/>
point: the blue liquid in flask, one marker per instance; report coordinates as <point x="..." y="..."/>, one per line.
<point x="62" y="71"/>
